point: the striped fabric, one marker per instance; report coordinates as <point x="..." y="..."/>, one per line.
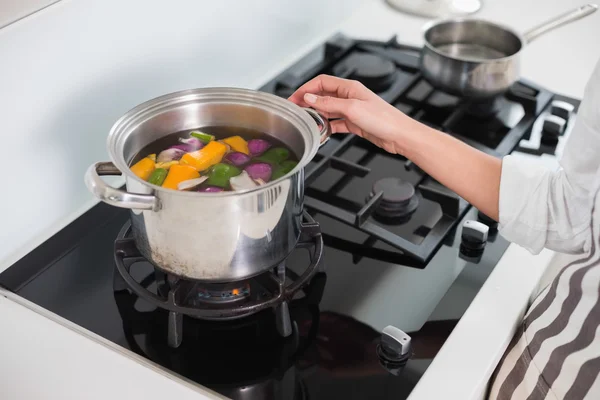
<point x="556" y="351"/>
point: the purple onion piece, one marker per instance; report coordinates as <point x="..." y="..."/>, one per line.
<point x="211" y="189"/>
<point x="238" y="159"/>
<point x="259" y="170"/>
<point x="194" y="143"/>
<point x="258" y="146"/>
<point x="183" y="147"/>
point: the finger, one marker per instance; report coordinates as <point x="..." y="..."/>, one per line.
<point x="303" y="103"/>
<point x="329" y="104"/>
<point x="325" y="83"/>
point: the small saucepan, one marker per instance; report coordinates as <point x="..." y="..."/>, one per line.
<point x="477" y="59"/>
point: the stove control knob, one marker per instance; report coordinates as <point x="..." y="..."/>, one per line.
<point x="562" y="109"/>
<point x="553" y="126"/>
<point x="394" y="349"/>
<point x="474" y="235"/>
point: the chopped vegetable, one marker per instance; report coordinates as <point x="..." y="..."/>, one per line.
<point x="191" y="144"/>
<point x="237" y="144"/>
<point x="221" y="173"/>
<point x="259" y="170"/>
<point x="226" y="145"/>
<point x="211" y="189"/>
<point x="144" y="167"/>
<point x="238" y="159"/>
<point x="206" y="157"/>
<point x="166" y="165"/>
<point x="234" y="158"/>
<point x="158" y="176"/>
<point x="258" y="146"/>
<point x="275" y="155"/>
<point x="242" y="182"/>
<point x="204" y="137"/>
<point x="170" y="155"/>
<point x="186" y="148"/>
<point x="283" y="169"/>
<point x="179" y="173"/>
<point x="191" y="184"/>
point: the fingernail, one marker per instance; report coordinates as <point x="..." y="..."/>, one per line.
<point x="310" y="98"/>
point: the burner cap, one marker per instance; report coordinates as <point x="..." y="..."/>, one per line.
<point x="373" y="71"/>
<point x="398" y="200"/>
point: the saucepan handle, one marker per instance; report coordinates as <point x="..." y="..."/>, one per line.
<point x="116" y="197"/>
<point x="559" y="21"/>
<point x="323" y="122"/>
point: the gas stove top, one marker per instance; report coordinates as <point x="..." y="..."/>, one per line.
<point x="397" y="258"/>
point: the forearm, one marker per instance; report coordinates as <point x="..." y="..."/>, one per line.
<point x="472" y="174"/>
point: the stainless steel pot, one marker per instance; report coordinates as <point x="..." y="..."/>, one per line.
<point x="477" y="59"/>
<point x="212" y="236"/>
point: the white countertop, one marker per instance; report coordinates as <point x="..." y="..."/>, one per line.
<point x="71" y="70"/>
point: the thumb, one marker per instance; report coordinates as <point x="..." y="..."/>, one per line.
<point x="328" y="104"/>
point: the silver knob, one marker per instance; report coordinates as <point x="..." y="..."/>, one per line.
<point x="395" y="341"/>
<point x="475" y="232"/>
<point x="394" y="349"/>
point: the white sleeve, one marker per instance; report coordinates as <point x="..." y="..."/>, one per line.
<point x="541" y="208"/>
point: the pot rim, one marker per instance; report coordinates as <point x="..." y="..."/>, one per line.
<point x="149" y="109"/>
<point x="433" y="24"/>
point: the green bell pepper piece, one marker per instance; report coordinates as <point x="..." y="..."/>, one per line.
<point x="204" y="137"/>
<point x="274" y="156"/>
<point x="158" y="176"/>
<point x="283" y="168"/>
<point x="219" y="174"/>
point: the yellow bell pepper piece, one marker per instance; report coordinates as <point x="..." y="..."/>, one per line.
<point x="166" y="164"/>
<point x="206" y="157"/>
<point x="237" y="143"/>
<point x="178" y="174"/>
<point x="144" y="168"/>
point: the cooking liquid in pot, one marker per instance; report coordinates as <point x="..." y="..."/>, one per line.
<point x="233" y="159"/>
<point x="470" y="50"/>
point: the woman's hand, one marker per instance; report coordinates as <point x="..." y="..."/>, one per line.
<point x="362" y="112"/>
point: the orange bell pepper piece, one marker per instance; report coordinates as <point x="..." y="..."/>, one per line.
<point x="237" y="143"/>
<point x="144" y="168"/>
<point x="206" y="157"/>
<point x="179" y="173"/>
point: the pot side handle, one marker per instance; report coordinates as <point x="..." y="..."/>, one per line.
<point x="323" y="122"/>
<point x="116" y="197"/>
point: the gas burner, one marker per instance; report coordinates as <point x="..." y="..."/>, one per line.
<point x="224" y="301"/>
<point x="375" y="72"/>
<point x="398" y="199"/>
<point x="223" y="292"/>
<point x="272" y="373"/>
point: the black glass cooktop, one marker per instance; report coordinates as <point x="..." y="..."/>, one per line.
<point x="337" y="326"/>
<point x="392" y="257"/>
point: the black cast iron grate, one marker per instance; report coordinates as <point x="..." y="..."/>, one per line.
<point x="271" y="290"/>
<point x="495" y="127"/>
